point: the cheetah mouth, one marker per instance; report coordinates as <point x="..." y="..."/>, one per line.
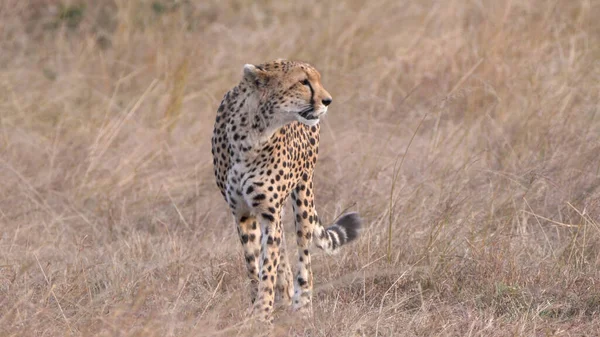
<point x="311" y="114"/>
<point x="308" y="113"/>
<point x="308" y="117"/>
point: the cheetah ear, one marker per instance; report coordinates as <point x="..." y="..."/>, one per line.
<point x="254" y="74"/>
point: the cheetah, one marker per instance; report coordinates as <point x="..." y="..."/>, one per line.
<point x="264" y="146"/>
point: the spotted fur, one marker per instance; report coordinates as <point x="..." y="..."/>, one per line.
<point x="265" y="145"/>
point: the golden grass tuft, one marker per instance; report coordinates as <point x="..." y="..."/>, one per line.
<point x="466" y="133"/>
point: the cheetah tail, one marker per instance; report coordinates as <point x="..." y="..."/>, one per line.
<point x="343" y="231"/>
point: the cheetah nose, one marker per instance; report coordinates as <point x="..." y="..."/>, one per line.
<point x="326" y="101"/>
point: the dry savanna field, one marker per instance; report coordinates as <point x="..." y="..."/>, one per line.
<point x="465" y="132"/>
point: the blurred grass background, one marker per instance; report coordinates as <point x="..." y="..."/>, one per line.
<point x="482" y="115"/>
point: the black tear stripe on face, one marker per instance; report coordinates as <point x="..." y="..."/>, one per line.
<point x="312" y="94"/>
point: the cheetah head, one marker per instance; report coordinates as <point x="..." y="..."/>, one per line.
<point x="289" y="91"/>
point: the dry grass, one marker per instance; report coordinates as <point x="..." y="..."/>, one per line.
<point x="111" y="223"/>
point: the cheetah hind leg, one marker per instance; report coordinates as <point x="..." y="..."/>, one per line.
<point x="284" y="290"/>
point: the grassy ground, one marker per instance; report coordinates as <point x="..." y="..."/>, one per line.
<point x="467" y="134"/>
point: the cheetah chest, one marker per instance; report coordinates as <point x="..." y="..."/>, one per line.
<point x="262" y="180"/>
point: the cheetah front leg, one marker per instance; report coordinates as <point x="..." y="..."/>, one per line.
<point x="269" y="260"/>
<point x="305" y="219"/>
<point x="249" y="233"/>
<point x="285" y="279"/>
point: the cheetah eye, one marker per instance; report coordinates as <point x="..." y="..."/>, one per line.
<point x="305" y="82"/>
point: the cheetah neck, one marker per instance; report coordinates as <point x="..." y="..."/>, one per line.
<point x="255" y="125"/>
